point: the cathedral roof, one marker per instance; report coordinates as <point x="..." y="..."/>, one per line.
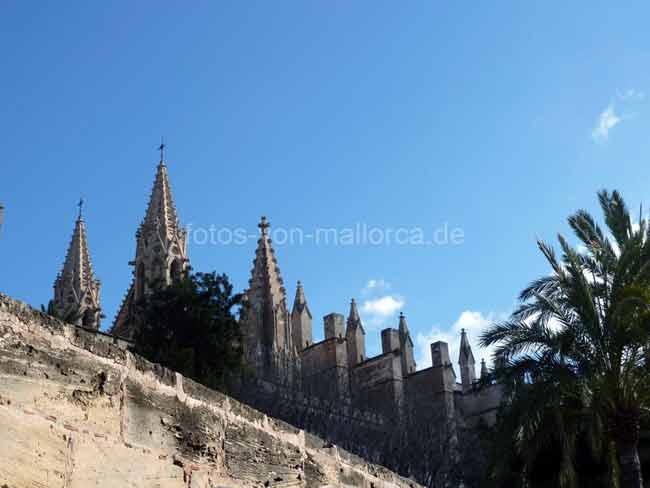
<point x="266" y="280"/>
<point x="77" y="268"/>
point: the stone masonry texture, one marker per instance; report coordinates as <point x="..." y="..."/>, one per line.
<point x="78" y="410"/>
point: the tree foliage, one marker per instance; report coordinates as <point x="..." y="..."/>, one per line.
<point x="191" y="327"/>
<point x="71" y="315"/>
<point x="574" y="355"/>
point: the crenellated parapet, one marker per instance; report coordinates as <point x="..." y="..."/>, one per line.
<point x="280" y="349"/>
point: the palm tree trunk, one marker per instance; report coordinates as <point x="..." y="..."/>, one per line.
<point x="631" y="476"/>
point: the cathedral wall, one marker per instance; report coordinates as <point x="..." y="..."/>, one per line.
<point x="324" y="369"/>
<point x="376" y="384"/>
<point x="480" y="405"/>
<point x="338" y="421"/>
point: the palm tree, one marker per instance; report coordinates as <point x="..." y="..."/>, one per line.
<point x="582" y="334"/>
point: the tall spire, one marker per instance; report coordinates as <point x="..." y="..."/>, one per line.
<point x="484" y="369"/>
<point x="267" y="328"/>
<point x="406" y="346"/>
<point x="300" y="302"/>
<point x="301" y="320"/>
<point x="466" y="362"/>
<point x="355" y="336"/>
<point x="161" y="212"/>
<point x="161" y="249"/>
<point x="265" y="276"/>
<point x="466" y="356"/>
<point x="353" y="317"/>
<point x="76" y="291"/>
<point x="403" y="328"/>
<point x="300" y="295"/>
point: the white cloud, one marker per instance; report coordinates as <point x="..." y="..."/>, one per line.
<point x="474" y="323"/>
<point x="380" y="307"/>
<point x="611" y="116"/>
<point x="423" y="345"/>
<point x="374" y="286"/>
<point x="632" y="94"/>
<point x="607" y="120"/>
<point x="384" y="306"/>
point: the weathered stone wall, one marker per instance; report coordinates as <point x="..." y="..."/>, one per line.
<point x="361" y="431"/>
<point x="383" y="409"/>
<point x="377" y="384"/>
<point x="480" y="406"/>
<point x="325" y="370"/>
<point x="78" y="410"/>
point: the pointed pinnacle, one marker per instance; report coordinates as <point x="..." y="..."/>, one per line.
<point x="264" y="225"/>
<point x="300" y="294"/>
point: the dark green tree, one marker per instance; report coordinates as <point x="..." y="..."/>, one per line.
<point x="191" y="327"/>
<point x="575" y="353"/>
<point x="71" y="315"/>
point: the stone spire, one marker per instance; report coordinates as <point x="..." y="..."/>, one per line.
<point x="354" y="313"/>
<point x="484" y="370"/>
<point x="300" y="302"/>
<point x="406" y="346"/>
<point x="76" y="290"/>
<point x="267" y="328"/>
<point x="266" y="282"/>
<point x="2" y="214"/>
<point x="161" y="211"/>
<point x="466" y="362"/>
<point x="355" y="336"/>
<point x="301" y="320"/>
<point x="403" y="327"/>
<point x="161" y="249"/>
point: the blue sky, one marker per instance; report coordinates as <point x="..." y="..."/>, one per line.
<point x="497" y="118"/>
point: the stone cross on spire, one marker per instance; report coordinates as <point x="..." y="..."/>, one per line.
<point x="264" y="225"/>
<point x="161" y="148"/>
<point x="81" y="206"/>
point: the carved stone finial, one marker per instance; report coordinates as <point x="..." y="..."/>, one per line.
<point x="161" y="148"/>
<point x="264" y="225"/>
